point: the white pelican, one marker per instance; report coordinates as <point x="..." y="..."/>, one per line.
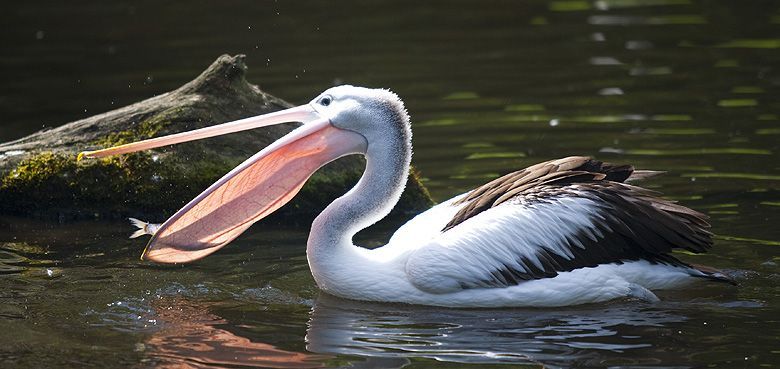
<point x="562" y="232"/>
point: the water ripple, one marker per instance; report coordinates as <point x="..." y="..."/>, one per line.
<point x="552" y="337"/>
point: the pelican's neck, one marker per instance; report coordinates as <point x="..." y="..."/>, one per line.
<point x="373" y="197"/>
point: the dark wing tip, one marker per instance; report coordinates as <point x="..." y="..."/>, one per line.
<point x="713" y="274"/>
<point x="640" y="175"/>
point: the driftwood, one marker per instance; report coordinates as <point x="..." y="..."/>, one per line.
<point x="40" y="177"/>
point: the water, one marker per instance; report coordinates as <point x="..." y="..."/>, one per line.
<point x="680" y="85"/>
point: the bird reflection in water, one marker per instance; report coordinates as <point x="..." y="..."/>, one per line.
<point x="191" y="338"/>
<point x="394" y="335"/>
<point x="585" y="335"/>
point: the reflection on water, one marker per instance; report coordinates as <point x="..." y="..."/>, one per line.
<point x="558" y="337"/>
<point x="191" y="337"/>
<point x="186" y="332"/>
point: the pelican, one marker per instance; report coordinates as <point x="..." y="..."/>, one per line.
<point x="562" y="232"/>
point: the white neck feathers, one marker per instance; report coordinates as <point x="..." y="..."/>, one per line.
<point x="373" y="197"/>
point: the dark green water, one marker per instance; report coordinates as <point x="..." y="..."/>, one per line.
<point x="686" y="86"/>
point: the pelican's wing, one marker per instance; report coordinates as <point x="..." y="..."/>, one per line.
<point x="563" y="217"/>
<point x="572" y="169"/>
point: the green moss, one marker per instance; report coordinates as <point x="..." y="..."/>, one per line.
<point x="55" y="183"/>
<point x="147" y="128"/>
<point x="37" y="170"/>
<point x="52" y="183"/>
<point x="416" y="197"/>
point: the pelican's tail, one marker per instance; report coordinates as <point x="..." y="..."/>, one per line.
<point x="707" y="272"/>
<point x="143" y="228"/>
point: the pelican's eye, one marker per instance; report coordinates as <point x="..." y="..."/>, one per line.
<point x="326" y="100"/>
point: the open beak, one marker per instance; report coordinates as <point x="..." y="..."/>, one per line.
<point x="249" y="192"/>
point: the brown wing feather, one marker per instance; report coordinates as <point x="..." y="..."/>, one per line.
<point x="572" y="169"/>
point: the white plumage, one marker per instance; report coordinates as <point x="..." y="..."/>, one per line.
<point x="421" y="265"/>
<point x="465" y="255"/>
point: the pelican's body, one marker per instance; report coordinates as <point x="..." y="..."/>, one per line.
<point x="405" y="270"/>
<point x="563" y="232"/>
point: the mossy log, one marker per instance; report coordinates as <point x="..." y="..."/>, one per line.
<point x="39" y="174"/>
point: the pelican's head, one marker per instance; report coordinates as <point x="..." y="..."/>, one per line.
<point x="342" y="120"/>
<point x="373" y="113"/>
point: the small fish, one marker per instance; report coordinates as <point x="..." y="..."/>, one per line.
<point x="143" y="228"/>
